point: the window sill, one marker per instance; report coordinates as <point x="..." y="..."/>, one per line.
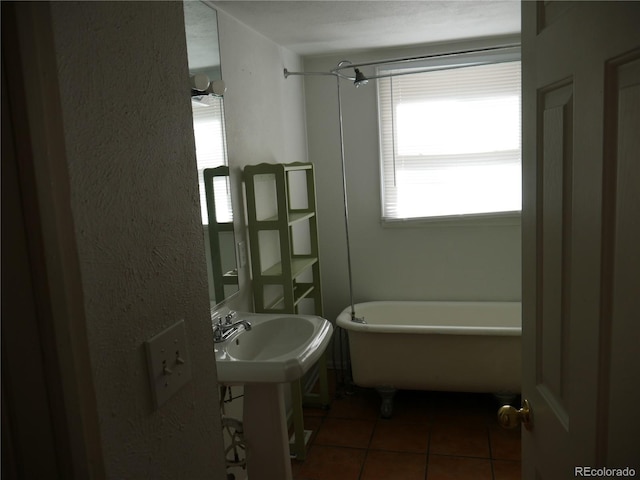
<point x="498" y="219"/>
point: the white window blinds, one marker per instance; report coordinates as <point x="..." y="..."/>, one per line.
<point x="450" y="141"/>
<point x="211" y="151"/>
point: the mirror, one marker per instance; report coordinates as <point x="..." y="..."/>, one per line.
<point x="201" y="27"/>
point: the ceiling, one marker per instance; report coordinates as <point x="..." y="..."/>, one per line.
<point x="317" y="27"/>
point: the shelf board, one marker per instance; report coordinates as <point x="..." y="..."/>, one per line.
<point x="271" y="308"/>
<point x="301" y="291"/>
<point x="263" y="168"/>
<point x="300" y="215"/>
<point x="288" y="167"/>
<point x="298" y="265"/>
<point x="267" y="224"/>
<point x="221" y="227"/>
<point x="272" y="223"/>
<point x="230" y="277"/>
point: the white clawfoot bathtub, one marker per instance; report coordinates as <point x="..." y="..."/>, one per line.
<point x="448" y="346"/>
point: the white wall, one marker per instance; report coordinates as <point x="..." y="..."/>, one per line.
<point x="131" y="157"/>
<point x="265" y="122"/>
<point x="264" y="115"/>
<point x="425" y="262"/>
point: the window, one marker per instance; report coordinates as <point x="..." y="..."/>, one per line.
<point x="450" y="139"/>
<point x="211" y="151"/>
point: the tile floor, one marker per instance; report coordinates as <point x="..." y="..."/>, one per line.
<point x="431" y="436"/>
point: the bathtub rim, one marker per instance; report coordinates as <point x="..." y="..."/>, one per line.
<point x="344" y="320"/>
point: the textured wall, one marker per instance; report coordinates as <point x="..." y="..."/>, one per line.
<point x="264" y="114"/>
<point x="265" y="122"/>
<point x="127" y="117"/>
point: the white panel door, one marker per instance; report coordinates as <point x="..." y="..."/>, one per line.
<point x="581" y="236"/>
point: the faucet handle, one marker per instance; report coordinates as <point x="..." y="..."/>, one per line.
<point x="228" y="319"/>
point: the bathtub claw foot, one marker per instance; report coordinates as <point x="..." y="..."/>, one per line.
<point x="386" y="394"/>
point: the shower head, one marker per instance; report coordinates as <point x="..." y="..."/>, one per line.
<point x="360" y="78"/>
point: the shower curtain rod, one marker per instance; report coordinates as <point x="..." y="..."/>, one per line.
<point x="287" y="73"/>
<point x="337" y="71"/>
<point x="430" y="56"/>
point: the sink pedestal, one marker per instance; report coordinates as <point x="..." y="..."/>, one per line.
<point x="270" y="351"/>
<point x="265" y="429"/>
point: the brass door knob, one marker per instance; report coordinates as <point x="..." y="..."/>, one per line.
<point x="510" y="417"/>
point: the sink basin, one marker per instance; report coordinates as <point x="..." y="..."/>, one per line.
<point x="277" y="349"/>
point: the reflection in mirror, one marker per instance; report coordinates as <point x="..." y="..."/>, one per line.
<point x="201" y="29"/>
<point x="223" y="271"/>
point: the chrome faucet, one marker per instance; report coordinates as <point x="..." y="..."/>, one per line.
<point x="224" y="329"/>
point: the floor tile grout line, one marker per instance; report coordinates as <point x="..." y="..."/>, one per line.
<point x="493" y="473"/>
<point x="364" y="462"/>
<point x="426" y="468"/>
<point x="368" y="449"/>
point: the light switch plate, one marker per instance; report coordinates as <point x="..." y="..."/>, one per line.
<point x="168" y="362"/>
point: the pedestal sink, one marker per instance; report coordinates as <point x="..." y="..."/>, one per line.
<point x="277" y="349"/>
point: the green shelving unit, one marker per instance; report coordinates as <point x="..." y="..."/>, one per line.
<point x="280" y="199"/>
<point x="283" y="235"/>
<point x="216" y="228"/>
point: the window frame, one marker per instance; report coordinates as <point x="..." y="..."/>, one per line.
<point x="480" y="57"/>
